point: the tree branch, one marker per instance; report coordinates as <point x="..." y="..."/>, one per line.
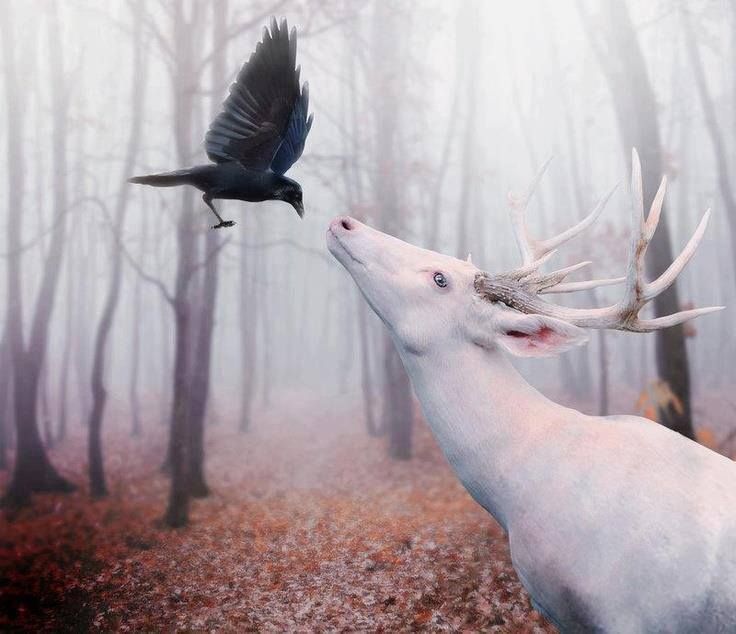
<point x="44" y="232"/>
<point x="212" y="254"/>
<point x="285" y="242"/>
<point x="146" y="277"/>
<point x="133" y="263"/>
<point x="243" y="28"/>
<point x="151" y="24"/>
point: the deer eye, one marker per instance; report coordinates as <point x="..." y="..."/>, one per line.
<point x="440" y="280"/>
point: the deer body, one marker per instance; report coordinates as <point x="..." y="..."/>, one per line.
<point x="616" y="524"/>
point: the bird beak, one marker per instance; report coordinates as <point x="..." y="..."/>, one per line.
<point x="299" y="208"/>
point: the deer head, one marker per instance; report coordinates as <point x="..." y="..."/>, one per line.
<point x="426" y="299"/>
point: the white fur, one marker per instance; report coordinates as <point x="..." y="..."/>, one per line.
<point x="616" y="524"/>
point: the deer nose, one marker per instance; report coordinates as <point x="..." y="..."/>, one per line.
<point x="344" y="223"/>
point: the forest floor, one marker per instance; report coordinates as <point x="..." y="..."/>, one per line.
<point x="309" y="527"/>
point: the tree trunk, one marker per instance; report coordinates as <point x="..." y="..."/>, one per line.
<point x="186" y="41"/>
<point x="265" y="276"/>
<point x="714" y="131"/>
<point x="46" y="423"/>
<point x="66" y="354"/>
<point x="472" y="52"/>
<point x="248" y="324"/>
<point x="167" y="368"/>
<point x="398" y="404"/>
<point x="434" y="215"/>
<point x="366" y="381"/>
<point x="579" y="357"/>
<point x="354" y="192"/>
<point x="5" y="387"/>
<point x="200" y="380"/>
<point x="616" y="45"/>
<point x="177" y="512"/>
<point x="201" y="370"/>
<point x="135" y="409"/>
<point x="33" y="471"/>
<point x="98" y="487"/>
<point x="81" y="352"/>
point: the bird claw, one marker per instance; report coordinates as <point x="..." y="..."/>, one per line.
<point x="224" y="223"/>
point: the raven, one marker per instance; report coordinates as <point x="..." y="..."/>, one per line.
<point x="258" y="135"/>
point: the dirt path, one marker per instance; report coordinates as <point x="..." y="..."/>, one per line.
<point x="306" y="530"/>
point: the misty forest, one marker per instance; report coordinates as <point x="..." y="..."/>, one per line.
<point x="211" y="429"/>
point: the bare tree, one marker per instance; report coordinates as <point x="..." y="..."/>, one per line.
<point x="139" y="71"/>
<point x="717" y="137"/>
<point x="201" y="368"/>
<point x="248" y="311"/>
<point x="354" y="192"/>
<point x="616" y="45"/>
<point x="63" y="389"/>
<point x="45" y="406"/>
<point x="468" y="17"/>
<point x="33" y="471"/>
<point x="433" y="226"/>
<point x="5" y="388"/>
<point x="398" y="403"/>
<point x="576" y="363"/>
<point x="135" y="362"/>
<point x="265" y="277"/>
<point x="186" y="34"/>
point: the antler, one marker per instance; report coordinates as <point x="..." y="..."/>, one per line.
<point x="520" y="288"/>
<point x="534" y="253"/>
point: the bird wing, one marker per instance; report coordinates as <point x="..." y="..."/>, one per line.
<point x="292" y="146"/>
<point x="259" y="113"/>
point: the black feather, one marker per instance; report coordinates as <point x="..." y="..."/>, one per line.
<point x="263" y="123"/>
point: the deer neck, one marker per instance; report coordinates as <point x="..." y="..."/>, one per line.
<point x="492" y="425"/>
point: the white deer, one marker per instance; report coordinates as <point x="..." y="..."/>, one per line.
<point x="615" y="523"/>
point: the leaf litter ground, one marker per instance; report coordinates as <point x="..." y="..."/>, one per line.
<point x="309" y="527"/>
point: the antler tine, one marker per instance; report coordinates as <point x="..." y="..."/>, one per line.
<point x="574" y="287"/>
<point x="527" y="269"/>
<point x="547" y="280"/>
<point x="656" y="209"/>
<point x="650" y="325"/>
<point x="664" y="281"/>
<point x="564" y="272"/>
<point x="569" y="234"/>
<point x="537" y="282"/>
<point x="533" y="251"/>
<point x="637" y="190"/>
<point x="527" y="245"/>
<point x="630" y="303"/>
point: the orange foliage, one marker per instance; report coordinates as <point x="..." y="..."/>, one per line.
<point x="707" y="438"/>
<point x="657" y="395"/>
<point x="305" y="530"/>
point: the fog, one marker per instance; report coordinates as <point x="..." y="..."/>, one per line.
<point x="430" y="118"/>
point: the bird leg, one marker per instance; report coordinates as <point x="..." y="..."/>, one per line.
<point x="222" y="223"/>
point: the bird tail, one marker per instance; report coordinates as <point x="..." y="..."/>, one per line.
<point x="166" y="179"/>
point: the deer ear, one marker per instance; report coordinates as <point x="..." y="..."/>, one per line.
<point x="536" y="335"/>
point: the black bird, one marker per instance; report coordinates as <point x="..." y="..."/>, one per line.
<point x="259" y="134"/>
